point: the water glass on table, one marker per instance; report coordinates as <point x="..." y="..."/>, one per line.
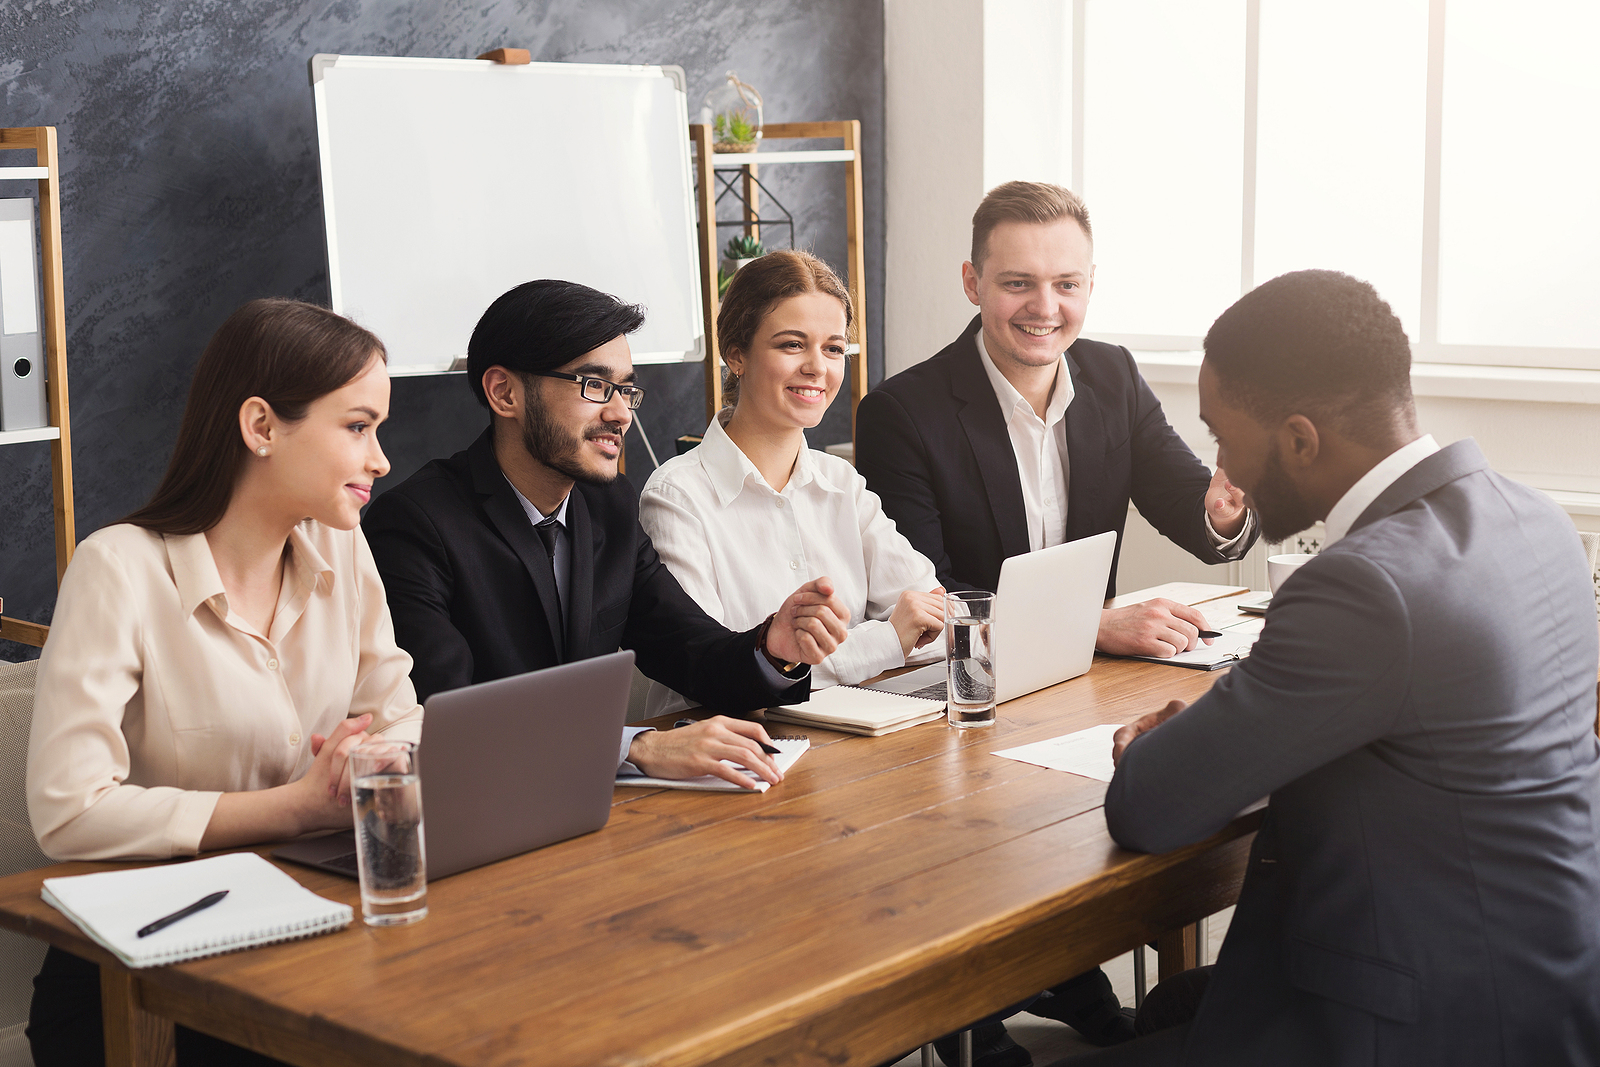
<point x="970" y="666"/>
<point x="387" y="799"/>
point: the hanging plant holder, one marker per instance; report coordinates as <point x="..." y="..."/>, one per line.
<point x="733" y="111"/>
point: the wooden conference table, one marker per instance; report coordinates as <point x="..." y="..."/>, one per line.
<point x="890" y="890"/>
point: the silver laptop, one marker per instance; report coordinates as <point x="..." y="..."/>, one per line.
<point x="508" y="766"/>
<point x="1046" y="618"/>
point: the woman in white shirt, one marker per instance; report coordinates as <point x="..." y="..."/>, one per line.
<point x="752" y="510"/>
<point x="214" y="657"/>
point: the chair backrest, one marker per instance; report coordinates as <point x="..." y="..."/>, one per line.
<point x="1591" y="545"/>
<point x="19" y="849"/>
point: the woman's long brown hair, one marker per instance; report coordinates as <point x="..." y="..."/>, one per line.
<point x="287" y="353"/>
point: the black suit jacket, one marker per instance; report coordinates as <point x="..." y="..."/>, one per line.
<point x="932" y="443"/>
<point x="1425" y="888"/>
<point x="473" y="597"/>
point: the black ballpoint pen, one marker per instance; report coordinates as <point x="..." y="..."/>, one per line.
<point x="167" y="920"/>
<point x="1209" y="633"/>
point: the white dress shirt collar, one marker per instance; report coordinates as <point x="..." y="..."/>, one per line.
<point x="731" y="471"/>
<point x="1060" y="397"/>
<point x="536" y="516"/>
<point x="1371" y="485"/>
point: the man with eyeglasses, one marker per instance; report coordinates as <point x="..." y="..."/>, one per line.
<point x="524" y="551"/>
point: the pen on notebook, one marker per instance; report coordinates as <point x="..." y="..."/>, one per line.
<point x="768" y="749"/>
<point x="167" y="920"/>
<point x="1209" y="633"/>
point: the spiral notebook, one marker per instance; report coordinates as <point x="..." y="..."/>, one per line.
<point x="263" y="906"/>
<point x="1225" y="651"/>
<point x="852" y="710"/>
<point x="789" y="749"/>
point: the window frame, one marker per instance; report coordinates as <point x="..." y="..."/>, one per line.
<point x="1453" y="360"/>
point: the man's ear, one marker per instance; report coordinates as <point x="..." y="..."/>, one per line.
<point x="969" y="281"/>
<point x="1299" y="444"/>
<point x="504" y="392"/>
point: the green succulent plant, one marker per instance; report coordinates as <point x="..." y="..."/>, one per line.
<point x="734" y="127"/>
<point x="744" y="247"/>
<point x="724" y="276"/>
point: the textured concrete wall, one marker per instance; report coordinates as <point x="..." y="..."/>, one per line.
<point x="189" y="161"/>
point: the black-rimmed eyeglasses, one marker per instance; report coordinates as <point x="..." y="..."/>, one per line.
<point x="599" y="390"/>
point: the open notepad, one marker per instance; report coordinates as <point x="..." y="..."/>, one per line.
<point x="789" y="749"/>
<point x="264" y="905"/>
<point x="1223" y="651"/>
<point x="859" y="711"/>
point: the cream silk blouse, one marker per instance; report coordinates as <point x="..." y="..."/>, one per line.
<point x="154" y="698"/>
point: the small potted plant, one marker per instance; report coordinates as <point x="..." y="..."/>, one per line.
<point x="733" y="110"/>
<point x="742" y="249"/>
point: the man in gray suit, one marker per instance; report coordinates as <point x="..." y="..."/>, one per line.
<point x="1420" y="708"/>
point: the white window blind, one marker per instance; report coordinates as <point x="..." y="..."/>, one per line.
<point x="1448" y="151"/>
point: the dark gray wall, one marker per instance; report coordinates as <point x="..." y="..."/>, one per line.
<point x="189" y="163"/>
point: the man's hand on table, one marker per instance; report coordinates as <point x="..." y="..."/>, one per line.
<point x="690" y="751"/>
<point x="1142" y="725"/>
<point x="1157" y="627"/>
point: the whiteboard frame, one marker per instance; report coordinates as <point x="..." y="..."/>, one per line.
<point x="456" y="363"/>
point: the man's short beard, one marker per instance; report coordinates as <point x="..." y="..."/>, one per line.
<point x="550" y="444"/>
<point x="1283" y="512"/>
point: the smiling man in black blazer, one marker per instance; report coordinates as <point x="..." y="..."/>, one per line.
<point x="525" y="550"/>
<point x="1020" y="435"/>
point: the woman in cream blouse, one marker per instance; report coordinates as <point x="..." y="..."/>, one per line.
<point x="215" y="656"/>
<point x="751" y="511"/>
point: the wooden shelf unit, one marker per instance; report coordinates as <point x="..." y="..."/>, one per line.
<point x="706" y="162"/>
<point x="41" y="140"/>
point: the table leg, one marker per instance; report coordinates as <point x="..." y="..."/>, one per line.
<point x="134" y="1037"/>
<point x="1177" y="951"/>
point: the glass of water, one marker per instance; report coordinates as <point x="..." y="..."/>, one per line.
<point x="387" y="798"/>
<point x="967" y="616"/>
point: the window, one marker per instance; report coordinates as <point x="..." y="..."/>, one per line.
<point x="1444" y="150"/>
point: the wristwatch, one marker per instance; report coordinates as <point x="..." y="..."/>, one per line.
<point x="788" y="670"/>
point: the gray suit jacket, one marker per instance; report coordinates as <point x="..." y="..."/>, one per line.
<point x="1425" y="888"/>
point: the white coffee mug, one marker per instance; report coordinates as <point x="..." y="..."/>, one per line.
<point x="1280" y="567"/>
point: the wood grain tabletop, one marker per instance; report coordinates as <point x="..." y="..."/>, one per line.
<point x="891" y="889"/>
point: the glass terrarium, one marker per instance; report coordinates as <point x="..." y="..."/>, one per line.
<point x="733" y="111"/>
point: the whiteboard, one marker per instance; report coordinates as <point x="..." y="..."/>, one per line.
<point x="446" y="182"/>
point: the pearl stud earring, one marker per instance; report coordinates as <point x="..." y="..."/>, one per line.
<point x="262" y="451"/>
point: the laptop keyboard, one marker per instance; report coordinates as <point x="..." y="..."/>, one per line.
<point x="936" y="691"/>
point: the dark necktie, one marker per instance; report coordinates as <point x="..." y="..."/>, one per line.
<point x="548" y="530"/>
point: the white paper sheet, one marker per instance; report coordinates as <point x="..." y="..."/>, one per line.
<point x="1190" y="593"/>
<point x="1086" y="752"/>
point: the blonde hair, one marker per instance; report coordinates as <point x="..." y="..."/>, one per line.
<point x="757" y="288"/>
<point x="1037" y="202"/>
